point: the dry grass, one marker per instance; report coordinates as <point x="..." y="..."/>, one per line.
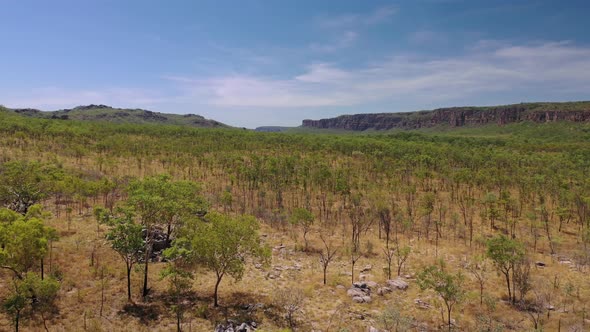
<point x="327" y="307"/>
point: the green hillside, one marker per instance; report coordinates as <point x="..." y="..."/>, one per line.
<point x="106" y="113"/>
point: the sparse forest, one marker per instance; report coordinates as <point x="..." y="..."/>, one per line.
<point x="113" y="227"/>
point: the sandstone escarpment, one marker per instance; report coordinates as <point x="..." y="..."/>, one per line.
<point x="459" y="116"/>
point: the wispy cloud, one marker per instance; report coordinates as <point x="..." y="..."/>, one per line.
<point x="552" y="65"/>
<point x="492" y="67"/>
<point x="356" y="20"/>
<point x="422" y="37"/>
<point x="346" y="40"/>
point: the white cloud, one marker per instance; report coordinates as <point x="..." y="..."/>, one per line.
<point x="530" y="71"/>
<point x="555" y="66"/>
<point x="324" y="73"/>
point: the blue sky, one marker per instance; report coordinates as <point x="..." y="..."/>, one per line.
<point x="253" y="62"/>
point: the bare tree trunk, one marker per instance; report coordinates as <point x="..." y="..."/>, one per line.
<point x="215" y="302"/>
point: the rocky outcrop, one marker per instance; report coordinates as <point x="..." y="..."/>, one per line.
<point x="397" y="284"/>
<point x="232" y="326"/>
<point x="360" y="293"/>
<point x="459" y="116"/>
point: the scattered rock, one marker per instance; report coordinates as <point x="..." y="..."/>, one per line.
<point x="397" y="284"/>
<point x="232" y="326"/>
<point x="360" y="284"/>
<point x="360" y="292"/>
<point x="367" y="268"/>
<point x="361" y="299"/>
<point x="381" y="291"/>
<point x="371" y="284"/>
<point x="372" y="329"/>
<point x="550" y="307"/>
<point x="159" y="242"/>
<point x="340" y="287"/>
<point x="540" y="264"/>
<point x="421" y="304"/>
<point x="355" y="292"/>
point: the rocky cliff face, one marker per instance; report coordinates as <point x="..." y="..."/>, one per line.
<point x="459" y="116"/>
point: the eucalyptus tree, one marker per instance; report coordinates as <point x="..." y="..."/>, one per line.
<point x="24" y="243"/>
<point x="505" y="253"/>
<point x="23" y="184"/>
<point x="125" y="237"/>
<point x="303" y="218"/>
<point x="31" y="295"/>
<point x="448" y="286"/>
<point x="159" y="201"/>
<point x="221" y="244"/>
<point x="179" y="277"/>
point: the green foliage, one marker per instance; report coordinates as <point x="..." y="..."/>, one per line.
<point x="303" y="218"/>
<point x="222" y="243"/>
<point x="505" y="253"/>
<point x="31" y="295"/>
<point x="125" y="237"/>
<point x="23" y="244"/>
<point x="13" y="305"/>
<point x="158" y="198"/>
<point x="448" y="286"/>
<point x="23" y="184"/>
<point x="179" y="282"/>
<point x="391" y="319"/>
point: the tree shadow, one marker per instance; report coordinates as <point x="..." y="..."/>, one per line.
<point x="146" y="313"/>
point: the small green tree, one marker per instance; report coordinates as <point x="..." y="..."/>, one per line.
<point x="303" y="218"/>
<point x="448" y="286"/>
<point x="402" y="254"/>
<point x="157" y="201"/>
<point x="24" y="244"/>
<point x="14" y="305"/>
<point x="24" y="184"/>
<point x="43" y="293"/>
<point x="34" y="293"/>
<point x="179" y="278"/>
<point x="505" y="253"/>
<point x="391" y="319"/>
<point x="179" y="282"/>
<point x="126" y="239"/>
<point x="222" y="243"/>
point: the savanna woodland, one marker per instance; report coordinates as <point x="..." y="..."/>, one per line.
<point x="145" y="227"/>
